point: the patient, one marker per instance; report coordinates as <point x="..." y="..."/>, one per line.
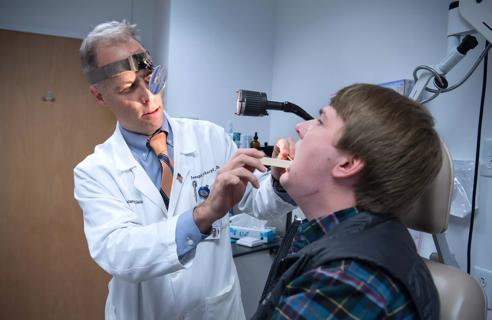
<point x="368" y="155"/>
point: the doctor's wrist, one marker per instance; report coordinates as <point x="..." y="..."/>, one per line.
<point x="201" y="216"/>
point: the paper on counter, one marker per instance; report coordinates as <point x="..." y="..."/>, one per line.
<point x="275" y="162"/>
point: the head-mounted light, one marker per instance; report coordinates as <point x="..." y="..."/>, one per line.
<point x="158" y="79"/>
<point x="135" y="62"/>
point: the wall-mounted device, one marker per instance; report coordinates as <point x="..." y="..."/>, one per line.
<point x="466" y="17"/>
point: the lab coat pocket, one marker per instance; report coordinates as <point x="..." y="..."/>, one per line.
<point x="226" y="305"/>
<point x="196" y="313"/>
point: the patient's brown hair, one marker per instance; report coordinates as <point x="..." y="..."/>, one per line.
<point x="395" y="137"/>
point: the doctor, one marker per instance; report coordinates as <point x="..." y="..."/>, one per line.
<point x="155" y="194"/>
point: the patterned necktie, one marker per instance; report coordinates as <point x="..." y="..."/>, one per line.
<point x="158" y="143"/>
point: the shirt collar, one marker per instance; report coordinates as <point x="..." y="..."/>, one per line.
<point x="312" y="230"/>
<point x="138" y="142"/>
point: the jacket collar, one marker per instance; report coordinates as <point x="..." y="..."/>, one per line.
<point x="311" y="231"/>
<point x="124" y="161"/>
<point x="123" y="157"/>
<point x="122" y="154"/>
<point x="184" y="142"/>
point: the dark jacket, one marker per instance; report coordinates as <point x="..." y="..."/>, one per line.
<point x="378" y="239"/>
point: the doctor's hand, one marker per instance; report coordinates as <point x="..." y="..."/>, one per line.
<point x="284" y="149"/>
<point x="229" y="187"/>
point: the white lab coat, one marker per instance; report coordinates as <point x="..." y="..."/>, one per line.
<point x="131" y="235"/>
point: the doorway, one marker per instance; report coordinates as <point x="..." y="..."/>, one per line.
<point x="48" y="123"/>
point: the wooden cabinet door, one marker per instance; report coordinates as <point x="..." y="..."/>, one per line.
<point x="46" y="271"/>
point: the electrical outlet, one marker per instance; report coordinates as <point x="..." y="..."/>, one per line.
<point x="486" y="163"/>
<point x="484" y="278"/>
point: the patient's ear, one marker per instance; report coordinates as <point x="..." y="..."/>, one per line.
<point x="347" y="166"/>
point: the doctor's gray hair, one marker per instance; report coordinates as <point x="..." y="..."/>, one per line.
<point x="107" y="33"/>
<point x="395" y="138"/>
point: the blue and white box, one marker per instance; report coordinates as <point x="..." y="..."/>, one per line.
<point x="266" y="234"/>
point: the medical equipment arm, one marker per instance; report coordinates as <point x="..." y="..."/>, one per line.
<point x="465" y="17"/>
<point x="256" y="104"/>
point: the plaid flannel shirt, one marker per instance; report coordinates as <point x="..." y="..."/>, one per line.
<point x="343" y="289"/>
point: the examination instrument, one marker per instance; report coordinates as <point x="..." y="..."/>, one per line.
<point x="273" y="162"/>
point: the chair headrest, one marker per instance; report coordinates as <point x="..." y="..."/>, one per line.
<point x="430" y="213"/>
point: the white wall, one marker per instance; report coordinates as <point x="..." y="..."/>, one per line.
<point x="75" y="18"/>
<point x="160" y="41"/>
<point x="216" y="48"/>
<point x="321" y="46"/>
<point x="61" y="18"/>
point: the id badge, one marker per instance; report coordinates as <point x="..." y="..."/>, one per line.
<point x="216" y="227"/>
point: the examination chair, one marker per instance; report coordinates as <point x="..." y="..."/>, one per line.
<point x="460" y="295"/>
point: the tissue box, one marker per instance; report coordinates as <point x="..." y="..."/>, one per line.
<point x="264" y="234"/>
